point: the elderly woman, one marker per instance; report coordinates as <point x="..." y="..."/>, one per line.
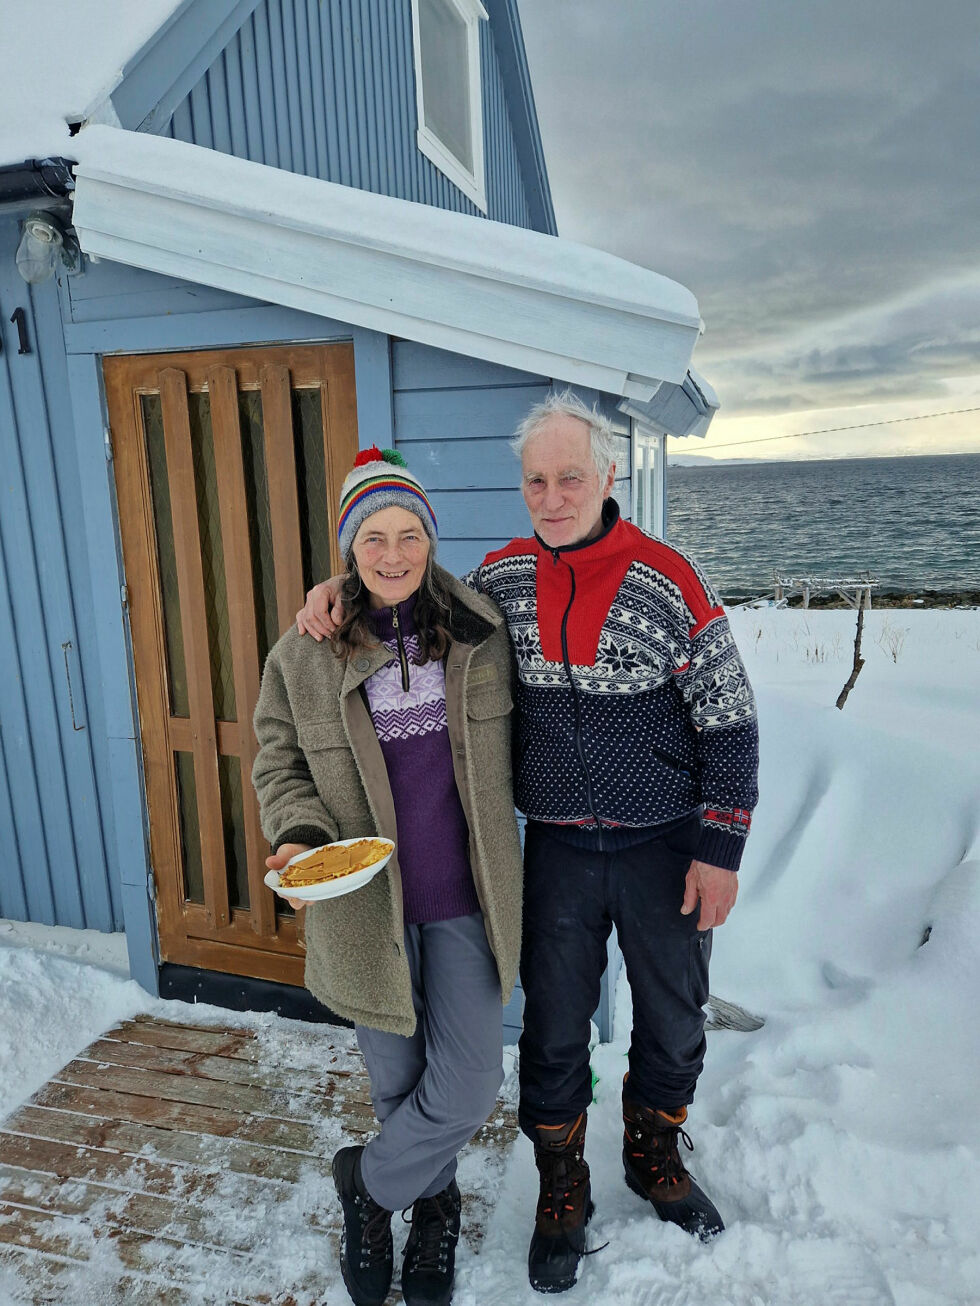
<point x="400" y="727"/>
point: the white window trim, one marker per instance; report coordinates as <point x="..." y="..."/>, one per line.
<point x="472" y="184"/>
<point x="649" y="463"/>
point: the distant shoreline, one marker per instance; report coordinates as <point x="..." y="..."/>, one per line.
<point x="697" y="462"/>
<point x="919" y="599"/>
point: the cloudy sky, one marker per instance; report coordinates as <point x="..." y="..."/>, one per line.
<point x="811" y="170"/>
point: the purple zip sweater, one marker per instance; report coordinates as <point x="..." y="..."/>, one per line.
<point x="413" y="730"/>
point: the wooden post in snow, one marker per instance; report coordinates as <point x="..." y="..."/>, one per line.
<point x="858" y="659"/>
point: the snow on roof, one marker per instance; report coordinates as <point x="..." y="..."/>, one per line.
<point x="494" y="291"/>
<point x="59" y="62"/>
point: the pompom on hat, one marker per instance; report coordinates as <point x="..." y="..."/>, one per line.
<point x="379" y="479"/>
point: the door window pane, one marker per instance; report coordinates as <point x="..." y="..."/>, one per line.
<point x="212" y="557"/>
<point x="315" y="514"/>
<point x="163" y="523"/>
<point x="233" y="818"/>
<point x="259" y="521"/>
<point x="190" y="833"/>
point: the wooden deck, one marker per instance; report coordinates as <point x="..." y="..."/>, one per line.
<point x="176" y="1164"/>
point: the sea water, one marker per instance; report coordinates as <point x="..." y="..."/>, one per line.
<point x="913" y="523"/>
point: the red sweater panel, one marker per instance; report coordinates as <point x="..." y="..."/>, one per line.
<point x="599" y="570"/>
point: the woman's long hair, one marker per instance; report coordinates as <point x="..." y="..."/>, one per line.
<point x="432" y="615"/>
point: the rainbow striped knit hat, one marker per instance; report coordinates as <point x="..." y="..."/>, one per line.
<point x="379" y="479"/>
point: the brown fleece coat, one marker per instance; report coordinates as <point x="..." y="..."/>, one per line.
<point x="320" y="769"/>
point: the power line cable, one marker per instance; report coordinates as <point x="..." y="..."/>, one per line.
<point x="832" y="430"/>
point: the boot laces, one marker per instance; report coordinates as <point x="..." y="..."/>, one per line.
<point x="562" y="1174"/>
<point x="375" y="1231"/>
<point x="434" y="1233"/>
<point x="657" y="1145"/>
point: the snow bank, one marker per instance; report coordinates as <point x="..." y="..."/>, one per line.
<point x="840" y="1141"/>
<point x="50" y="1008"/>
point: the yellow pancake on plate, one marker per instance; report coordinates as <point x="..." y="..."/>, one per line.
<point x="331" y="869"/>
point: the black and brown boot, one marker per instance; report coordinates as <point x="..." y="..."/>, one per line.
<point x="430" y="1253"/>
<point x="654" y="1169"/>
<point x="366" y="1253"/>
<point x="564" y="1206"/>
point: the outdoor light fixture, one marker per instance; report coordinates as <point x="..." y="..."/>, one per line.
<point x="41" y="247"/>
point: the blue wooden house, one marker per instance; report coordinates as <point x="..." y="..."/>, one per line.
<point x="287" y="228"/>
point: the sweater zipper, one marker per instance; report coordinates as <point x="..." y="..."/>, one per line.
<point x="579" y="743"/>
<point x="401" y="648"/>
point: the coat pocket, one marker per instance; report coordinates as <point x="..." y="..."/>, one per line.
<point x="484" y="704"/>
<point x="488" y="732"/>
<point x="316" y="735"/>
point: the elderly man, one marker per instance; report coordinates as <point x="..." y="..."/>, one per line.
<point x="636" y="761"/>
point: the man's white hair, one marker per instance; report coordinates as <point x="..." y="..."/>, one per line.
<point x="568" y="404"/>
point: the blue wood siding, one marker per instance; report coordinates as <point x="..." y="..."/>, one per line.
<point x="114" y="291"/>
<point x="454" y="417"/>
<point x="328" y="90"/>
<point x="507" y="199"/>
<point x="53" y="820"/>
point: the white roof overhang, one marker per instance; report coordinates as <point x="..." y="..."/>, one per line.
<point x="512" y="296"/>
<point x="684" y="409"/>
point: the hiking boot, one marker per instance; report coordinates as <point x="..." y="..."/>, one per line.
<point x="430" y="1253"/>
<point x="564" y="1206"/>
<point x="655" y="1171"/>
<point x="365" y="1244"/>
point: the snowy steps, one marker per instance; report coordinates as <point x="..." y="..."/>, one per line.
<point x="168" y="1159"/>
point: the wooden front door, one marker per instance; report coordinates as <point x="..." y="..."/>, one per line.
<point x="228" y="470"/>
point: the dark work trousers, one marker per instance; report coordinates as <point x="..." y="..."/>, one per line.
<point x="572" y="898"/>
<point x="434" y="1089"/>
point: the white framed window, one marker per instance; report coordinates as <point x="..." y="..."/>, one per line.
<point x="448" y="93"/>
<point x="649" y="480"/>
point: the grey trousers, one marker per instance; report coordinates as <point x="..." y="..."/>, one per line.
<point x="432" y="1091"/>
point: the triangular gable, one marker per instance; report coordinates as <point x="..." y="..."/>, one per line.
<point x="324" y="90"/>
<point x="163" y="72"/>
<point x="509" y="40"/>
<point x="328" y="92"/>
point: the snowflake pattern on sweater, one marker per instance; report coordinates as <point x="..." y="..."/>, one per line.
<point x="412" y="725"/>
<point x="405" y="714"/>
<point x="634" y="704"/>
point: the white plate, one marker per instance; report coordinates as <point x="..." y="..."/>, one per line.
<point x="331" y="888"/>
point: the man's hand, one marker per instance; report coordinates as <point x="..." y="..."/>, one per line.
<point x="717" y="889"/>
<point x="324" y="611"/>
<point x="278" y="860"/>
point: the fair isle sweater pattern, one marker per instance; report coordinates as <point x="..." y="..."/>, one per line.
<point x="634" y="704"/>
<point x="413" y="730"/>
<point x="406" y="714"/>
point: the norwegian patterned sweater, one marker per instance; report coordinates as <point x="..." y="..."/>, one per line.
<point x="408" y="707"/>
<point x="634" y="707"/>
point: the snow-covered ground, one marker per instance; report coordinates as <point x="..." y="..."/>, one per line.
<point x="840" y="1140"/>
